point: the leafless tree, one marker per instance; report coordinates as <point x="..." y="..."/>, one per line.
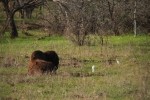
<point x="52" y="18"/>
<point x="12" y="6"/>
<point x="78" y="17"/>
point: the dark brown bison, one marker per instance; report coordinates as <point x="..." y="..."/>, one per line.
<point x="38" y="66"/>
<point x="39" y="61"/>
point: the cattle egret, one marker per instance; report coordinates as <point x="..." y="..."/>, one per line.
<point x="93" y="68"/>
<point x="117" y="61"/>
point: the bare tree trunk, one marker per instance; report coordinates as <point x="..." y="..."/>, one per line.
<point x="10" y="19"/>
<point x="135" y="31"/>
<point x="111" y="7"/>
<point x="14" y="32"/>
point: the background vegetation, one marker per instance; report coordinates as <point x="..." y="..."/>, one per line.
<point x="76" y="18"/>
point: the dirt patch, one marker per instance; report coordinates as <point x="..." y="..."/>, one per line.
<point x="7" y="98"/>
<point x="80" y="74"/>
<point x="71" y="62"/>
<point x="86" y="74"/>
<point x="79" y="96"/>
<point x="74" y="62"/>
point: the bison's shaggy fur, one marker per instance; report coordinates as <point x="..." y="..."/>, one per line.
<point x="52" y="56"/>
<point x="40" y="67"/>
<point x="37" y="55"/>
<point x="41" y="62"/>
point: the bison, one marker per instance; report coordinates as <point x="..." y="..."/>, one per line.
<point x="42" y="62"/>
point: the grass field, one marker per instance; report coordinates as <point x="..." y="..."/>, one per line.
<point x="127" y="80"/>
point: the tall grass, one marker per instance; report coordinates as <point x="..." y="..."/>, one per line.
<point x="128" y="80"/>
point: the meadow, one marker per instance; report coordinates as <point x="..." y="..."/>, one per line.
<point x="122" y="69"/>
